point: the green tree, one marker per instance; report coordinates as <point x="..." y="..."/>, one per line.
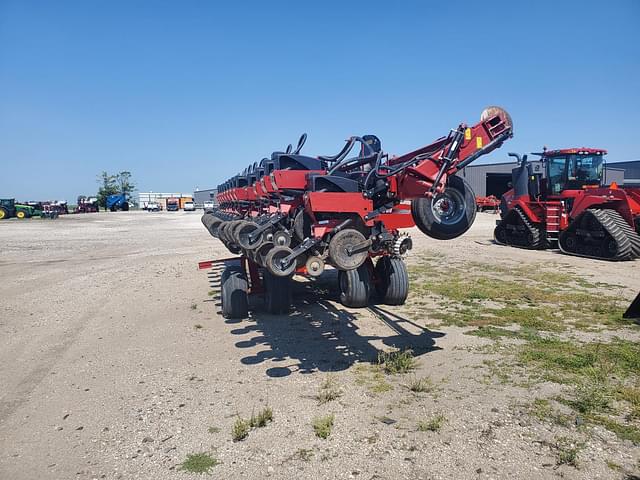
<point x="125" y="184"/>
<point x="108" y="186"/>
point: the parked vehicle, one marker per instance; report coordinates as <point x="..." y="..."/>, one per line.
<point x="153" y="207"/>
<point x="189" y="207"/>
<point x="208" y="206"/>
<point x="87" y="205"/>
<point x="173" y="204"/>
<point x="570" y="207"/>
<point x="118" y="202"/>
<point x="9" y="208"/>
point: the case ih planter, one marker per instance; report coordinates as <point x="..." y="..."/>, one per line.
<point x="295" y="214"/>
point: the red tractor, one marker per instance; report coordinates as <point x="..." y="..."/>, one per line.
<point x="294" y="214"/>
<point x="570" y="207"/>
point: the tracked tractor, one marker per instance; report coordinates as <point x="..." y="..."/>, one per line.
<point x="570" y="207"/>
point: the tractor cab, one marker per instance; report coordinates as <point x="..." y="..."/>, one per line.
<point x="572" y="169"/>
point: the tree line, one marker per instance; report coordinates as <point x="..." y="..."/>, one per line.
<point x="113" y="185"/>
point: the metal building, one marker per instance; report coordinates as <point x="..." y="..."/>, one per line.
<point x="207" y="195"/>
<point x="631" y="172"/>
<point x="494" y="178"/>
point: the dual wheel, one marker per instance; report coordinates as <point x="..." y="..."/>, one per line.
<point x="389" y="277"/>
<point x="235" y="293"/>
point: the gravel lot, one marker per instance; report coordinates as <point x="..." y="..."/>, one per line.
<point x="114" y="363"/>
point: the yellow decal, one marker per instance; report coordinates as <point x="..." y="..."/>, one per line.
<point x="478" y="142"/>
<point x="467" y="134"/>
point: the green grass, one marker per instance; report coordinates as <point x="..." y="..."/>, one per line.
<point x="328" y="391"/>
<point x="475" y="294"/>
<point x="322" y="426"/>
<point x="622" y="431"/>
<point x="397" y="362"/>
<point x="591" y="396"/>
<point x="213" y="429"/>
<point x="240" y="430"/>
<point x="525" y="311"/>
<point x="198" y="463"/>
<point x="433" y="424"/>
<point x="570" y="360"/>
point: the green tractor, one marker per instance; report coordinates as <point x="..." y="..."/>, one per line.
<point x="9" y="208"/>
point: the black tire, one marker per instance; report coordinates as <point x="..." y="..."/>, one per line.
<point x="261" y="253"/>
<point x="302" y="225"/>
<point x="272" y="262"/>
<point x="125" y="207"/>
<point x="243" y="236"/>
<point x="392" y="283"/>
<point x="277" y="293"/>
<point x="236" y="230"/>
<point x="355" y="287"/>
<point x="234" y="286"/>
<point x="434" y="222"/>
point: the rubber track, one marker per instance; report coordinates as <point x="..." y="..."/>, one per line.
<point x="633" y="237"/>
<point x="538" y="242"/>
<point x="613" y="229"/>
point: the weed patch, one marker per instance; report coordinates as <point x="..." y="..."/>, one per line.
<point x="371" y="377"/>
<point x="420" y="385"/>
<point x="397" y="361"/>
<point x="433" y="424"/>
<point x="262" y="418"/>
<point x="240" y="430"/>
<point x="322" y="426"/>
<point x="329" y="390"/>
<point x="198" y="463"/>
<point x="567" y="451"/>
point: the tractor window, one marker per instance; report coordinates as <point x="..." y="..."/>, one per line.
<point x="585" y="170"/>
<point x="557" y="175"/>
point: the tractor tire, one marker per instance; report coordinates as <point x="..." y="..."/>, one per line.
<point x="125" y="207"/>
<point x="3" y="213"/>
<point x="277" y="294"/>
<point x="447" y="215"/>
<point x="355" y="287"/>
<point x="21" y="215"/>
<point x="392" y="278"/>
<point x="234" y="287"/>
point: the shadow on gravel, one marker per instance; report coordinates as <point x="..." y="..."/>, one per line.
<point x="321" y="335"/>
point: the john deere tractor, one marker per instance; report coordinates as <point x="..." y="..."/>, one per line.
<point x="9" y="208"/>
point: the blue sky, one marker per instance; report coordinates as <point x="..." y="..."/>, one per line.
<point x="186" y="93"/>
